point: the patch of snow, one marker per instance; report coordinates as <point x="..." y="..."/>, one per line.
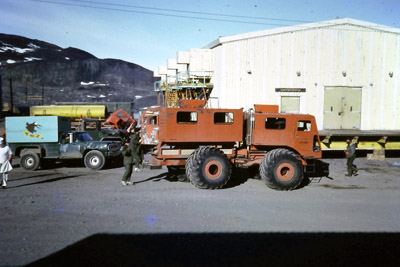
<point x="85" y="83"/>
<point x="23" y="50"/>
<point x="67" y="58"/>
<point x="101" y="84"/>
<point x="61" y="90"/>
<point x="16" y="49"/>
<point x="10" y="61"/>
<point x="102" y="96"/>
<point x="33" y="46"/>
<point x="94" y="83"/>
<point x="138" y="96"/>
<point x="89" y="96"/>
<point x="28" y="59"/>
<point x="5" y="48"/>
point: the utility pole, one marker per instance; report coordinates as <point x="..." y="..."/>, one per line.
<point x="11" y="93"/>
<point x="42" y="94"/>
<point x="26" y="90"/>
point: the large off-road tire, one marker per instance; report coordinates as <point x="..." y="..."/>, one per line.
<point x="30" y="161"/>
<point x="188" y="165"/>
<point x="208" y="168"/>
<point x="94" y="160"/>
<point x="281" y="169"/>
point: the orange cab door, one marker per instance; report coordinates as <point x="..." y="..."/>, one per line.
<point x="304" y="137"/>
<point x="150" y="127"/>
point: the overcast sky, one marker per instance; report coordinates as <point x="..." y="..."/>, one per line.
<point x="148" y="32"/>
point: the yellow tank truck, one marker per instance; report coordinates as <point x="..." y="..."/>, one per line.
<point x="75" y="112"/>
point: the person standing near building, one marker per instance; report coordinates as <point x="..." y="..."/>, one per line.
<point x="351" y="156"/>
<point x="5" y="161"/>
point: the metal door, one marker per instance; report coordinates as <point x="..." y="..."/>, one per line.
<point x="342" y="108"/>
<point x="71" y="150"/>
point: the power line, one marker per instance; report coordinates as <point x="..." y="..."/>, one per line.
<point x="95" y="5"/>
<point x="191" y="12"/>
<point x="157" y="14"/>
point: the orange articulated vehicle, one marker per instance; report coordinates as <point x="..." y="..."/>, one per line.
<point x="204" y="144"/>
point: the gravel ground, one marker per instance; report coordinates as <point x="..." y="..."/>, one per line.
<point x="70" y="215"/>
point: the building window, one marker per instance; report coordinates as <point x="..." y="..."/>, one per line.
<point x="275" y="123"/>
<point x="186" y="117"/>
<point x="304" y="126"/>
<point x="223" y="117"/>
<point x="290" y="104"/>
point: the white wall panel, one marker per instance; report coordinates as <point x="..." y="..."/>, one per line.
<point x="247" y="71"/>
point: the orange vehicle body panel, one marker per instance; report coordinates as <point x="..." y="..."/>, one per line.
<point x="119" y="119"/>
<point x="295" y="136"/>
<point x="173" y="127"/>
<point x="266" y="108"/>
<point x="244" y="137"/>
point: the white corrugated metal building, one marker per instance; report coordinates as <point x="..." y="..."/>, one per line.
<point x="345" y="72"/>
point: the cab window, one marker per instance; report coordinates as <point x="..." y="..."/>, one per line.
<point x="223" y="118"/>
<point x="304" y="126"/>
<point x="150" y="120"/>
<point x="186" y="117"/>
<point x="275" y="123"/>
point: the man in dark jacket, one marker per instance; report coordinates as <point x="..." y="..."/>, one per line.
<point x="128" y="163"/>
<point x="129" y="151"/>
<point x="351" y="156"/>
<point x="135" y="146"/>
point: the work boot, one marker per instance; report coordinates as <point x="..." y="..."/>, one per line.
<point x="129" y="183"/>
<point x="349" y="175"/>
<point x="123" y="183"/>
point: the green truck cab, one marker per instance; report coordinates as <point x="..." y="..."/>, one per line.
<point x="94" y="128"/>
<point x="49" y="138"/>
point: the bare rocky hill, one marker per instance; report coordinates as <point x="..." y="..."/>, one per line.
<point x="35" y="67"/>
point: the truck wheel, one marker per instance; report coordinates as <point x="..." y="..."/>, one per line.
<point x="208" y="168"/>
<point x="30" y="161"/>
<point x="281" y="169"/>
<point x="94" y="160"/>
<point x="188" y="165"/>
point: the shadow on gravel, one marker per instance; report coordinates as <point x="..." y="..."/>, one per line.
<point x="34" y="176"/>
<point x="230" y="249"/>
<point x="75" y="163"/>
<point x="240" y="176"/>
<point x="162" y="176"/>
<point x="46" y="181"/>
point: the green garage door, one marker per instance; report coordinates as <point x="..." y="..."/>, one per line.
<point x="342" y="107"/>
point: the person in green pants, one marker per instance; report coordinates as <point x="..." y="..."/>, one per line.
<point x="135" y="145"/>
<point x="351" y="156"/>
<point x="128" y="162"/>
